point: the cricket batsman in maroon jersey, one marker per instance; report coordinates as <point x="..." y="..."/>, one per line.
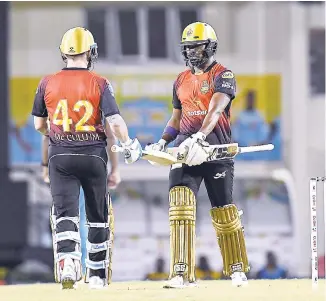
<point x="202" y="98"/>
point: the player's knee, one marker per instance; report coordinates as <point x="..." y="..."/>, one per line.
<point x="98" y="235"/>
<point x="66" y="225"/>
<point x="63" y="208"/>
<point x="183" y="187"/>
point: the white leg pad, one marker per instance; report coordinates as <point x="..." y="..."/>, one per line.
<point x="61" y="236"/>
<point x="100" y="247"/>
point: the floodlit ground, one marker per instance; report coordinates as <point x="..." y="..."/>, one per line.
<point x="276" y="290"/>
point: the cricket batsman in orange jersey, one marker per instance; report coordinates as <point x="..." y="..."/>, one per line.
<point x="80" y="107"/>
<point x="202" y="99"/>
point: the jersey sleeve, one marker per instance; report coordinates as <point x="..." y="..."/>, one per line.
<point x="39" y="107"/>
<point x="225" y="83"/>
<point x="176" y="101"/>
<point x="108" y="103"/>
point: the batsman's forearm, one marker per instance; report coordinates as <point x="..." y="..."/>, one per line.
<point x="45" y="148"/>
<point x="173" y="125"/>
<point x="210" y="122"/>
<point x="44" y="131"/>
<point x="114" y="157"/>
<point x="118" y="127"/>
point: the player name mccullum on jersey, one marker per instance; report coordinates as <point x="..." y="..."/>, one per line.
<point x="77" y="137"/>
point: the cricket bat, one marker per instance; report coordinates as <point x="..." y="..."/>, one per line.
<point x="174" y="155"/>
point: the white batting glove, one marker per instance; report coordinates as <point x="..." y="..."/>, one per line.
<point x="159" y="146"/>
<point x="132" y="151"/>
<point x="195" y="149"/>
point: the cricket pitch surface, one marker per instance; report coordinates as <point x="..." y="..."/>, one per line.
<point x="257" y="290"/>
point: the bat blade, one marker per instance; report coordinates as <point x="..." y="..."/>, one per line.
<point x="161" y="158"/>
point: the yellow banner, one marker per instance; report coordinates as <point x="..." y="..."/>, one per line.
<point x="129" y="87"/>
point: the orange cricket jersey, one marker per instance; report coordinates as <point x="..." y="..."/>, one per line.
<point x="75" y="101"/>
<point x="193" y="93"/>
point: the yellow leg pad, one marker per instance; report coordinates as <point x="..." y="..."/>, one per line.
<point x="182" y="216"/>
<point x="230" y="237"/>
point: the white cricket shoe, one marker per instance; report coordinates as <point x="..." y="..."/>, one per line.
<point x="239" y="279"/>
<point x="179" y="282"/>
<point x="68" y="274"/>
<point x="95" y="282"/>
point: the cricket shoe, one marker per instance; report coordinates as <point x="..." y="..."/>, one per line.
<point x="239" y="279"/>
<point x="179" y="282"/>
<point x="95" y="282"/>
<point x="68" y="274"/>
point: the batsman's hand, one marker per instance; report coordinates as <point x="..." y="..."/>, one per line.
<point x="195" y="148"/>
<point x="114" y="179"/>
<point x="45" y="174"/>
<point x="132" y="150"/>
<point x="159" y="146"/>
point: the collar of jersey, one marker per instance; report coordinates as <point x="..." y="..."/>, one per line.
<point x="210" y="66"/>
<point x="206" y="70"/>
<point x="74" y="68"/>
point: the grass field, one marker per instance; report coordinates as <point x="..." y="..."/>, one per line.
<point x="275" y="290"/>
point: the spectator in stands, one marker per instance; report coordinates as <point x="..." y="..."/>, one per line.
<point x="204" y="272"/>
<point x="272" y="270"/>
<point x="159" y="273"/>
<point x="157" y="201"/>
<point x="250" y="128"/>
<point x="274" y="137"/>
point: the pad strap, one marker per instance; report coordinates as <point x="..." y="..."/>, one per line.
<point x="95" y="248"/>
<point x="73" y="255"/>
<point x="97" y="265"/>
<point x="99" y="225"/>
<point x="67" y="235"/>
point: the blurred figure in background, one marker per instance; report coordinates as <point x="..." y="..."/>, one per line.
<point x="250" y="128"/>
<point x="275" y="137"/>
<point x="272" y="270"/>
<point x="159" y="273"/>
<point x="204" y="272"/>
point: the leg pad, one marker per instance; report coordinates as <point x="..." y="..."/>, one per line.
<point x="182" y="216"/>
<point x="231" y="240"/>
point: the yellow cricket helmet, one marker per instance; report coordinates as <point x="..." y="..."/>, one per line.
<point x="195" y="35"/>
<point x="78" y="40"/>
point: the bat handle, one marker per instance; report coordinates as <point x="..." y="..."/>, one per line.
<point x="256" y="148"/>
<point x="117" y="149"/>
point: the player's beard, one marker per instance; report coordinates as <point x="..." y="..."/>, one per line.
<point x="197" y="58"/>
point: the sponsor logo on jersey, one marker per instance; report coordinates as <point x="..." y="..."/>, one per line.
<point x="197" y="113"/>
<point x="227" y="74"/>
<point x="204" y="87"/>
<point x="227" y="85"/>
